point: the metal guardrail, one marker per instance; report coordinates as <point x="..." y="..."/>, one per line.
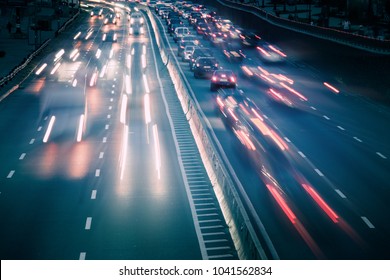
<point x="17" y="69"/>
<point x="247" y="244"/>
<point x="338" y="36"/>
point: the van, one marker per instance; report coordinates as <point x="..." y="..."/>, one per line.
<point x="180" y="32"/>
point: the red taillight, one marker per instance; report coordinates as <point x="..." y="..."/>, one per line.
<point x="232" y="79"/>
<point x="214" y="78"/>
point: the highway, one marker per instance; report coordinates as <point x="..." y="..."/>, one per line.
<point x="337" y="142"/>
<point x="98" y="161"/>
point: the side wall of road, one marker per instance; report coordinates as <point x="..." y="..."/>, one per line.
<point x="246" y="241"/>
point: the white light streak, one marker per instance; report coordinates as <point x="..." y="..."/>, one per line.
<point x="146" y="83"/>
<point x="147" y="108"/>
<point x="39" y="71"/>
<point x="59" y="55"/>
<point x="55" y="68"/>
<point x="128" y="84"/>
<point x="98" y="53"/>
<point x="49" y="128"/>
<point x="77" y="35"/>
<point x="123" y="109"/>
<point x="124" y="150"/>
<point x="81" y="128"/>
<point x="74" y="83"/>
<point x="143" y="60"/>
<point x="157" y="150"/>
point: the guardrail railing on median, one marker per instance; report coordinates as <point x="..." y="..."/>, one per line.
<point x="339" y="36"/>
<point x="17" y="69"/>
<point x="247" y="244"/>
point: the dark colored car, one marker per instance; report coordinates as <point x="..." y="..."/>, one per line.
<point x="223" y="78"/>
<point x="233" y="52"/>
<point x="183" y="44"/>
<point x="197" y="53"/>
<point x="205" y="67"/>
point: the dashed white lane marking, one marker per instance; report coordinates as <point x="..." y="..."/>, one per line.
<point x="39" y="128"/>
<point x="318" y="172"/>
<point x="22" y="156"/>
<point x="107" y="126"/>
<point x="32" y="141"/>
<point x="340" y="193"/>
<point x="88" y="223"/>
<point x="104" y="139"/>
<point x="10" y="174"/>
<point x="357" y="139"/>
<point x="314" y="108"/>
<point x="108" y="116"/>
<point x="367" y="221"/>
<point x="101" y="154"/>
<point x="381" y="155"/>
<point x="93" y="194"/>
<point x="288" y="140"/>
<point x="112" y="92"/>
<point x="45" y="119"/>
<point x="326" y="117"/>
<point x="340" y="127"/>
<point x="301" y="154"/>
<point x="265" y="117"/>
<point x="113" y="86"/>
<point x="110" y="107"/>
<point x="82" y="256"/>
<point x="111" y="99"/>
<point x="97" y="172"/>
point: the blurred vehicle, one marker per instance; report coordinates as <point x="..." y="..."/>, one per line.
<point x="201" y="28"/>
<point x="249" y="38"/>
<point x="270" y="53"/>
<point x="223" y="25"/>
<point x="286" y="95"/>
<point x="110" y="36"/>
<point x="188" y="50"/>
<point x="218" y="39"/>
<point x="97" y="11"/>
<point x="198" y="52"/>
<point x="205" y="67"/>
<point x="233" y="52"/>
<point x="110" y="19"/>
<point x="223" y="78"/>
<point x="180" y="32"/>
<point x="136" y="23"/>
<point x="183" y="44"/>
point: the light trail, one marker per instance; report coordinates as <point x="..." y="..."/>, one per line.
<point x="146" y="83"/>
<point x="147" y="108"/>
<point x="332" y="88"/>
<point x="123" y="109"/>
<point x="55" y="68"/>
<point x="81" y="128"/>
<point x="59" y="54"/>
<point x="77" y="35"/>
<point x="39" y="71"/>
<point x="157" y="150"/>
<point x="124" y="150"/>
<point x="49" y="129"/>
<point x="128" y="84"/>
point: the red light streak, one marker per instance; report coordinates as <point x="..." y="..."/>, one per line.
<point x="331" y="87"/>
<point x="282" y="203"/>
<point x="324" y="206"/>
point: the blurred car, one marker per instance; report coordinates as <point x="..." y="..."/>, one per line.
<point x="233" y="52"/>
<point x="223" y="78"/>
<point x="188" y="50"/>
<point x="110" y="36"/>
<point x="286" y="95"/>
<point x="180" y="32"/>
<point x="110" y="19"/>
<point x="218" y="39"/>
<point x="249" y="38"/>
<point x="270" y="53"/>
<point x="205" y="67"/>
<point x="136" y="23"/>
<point x="183" y="44"/>
<point x="198" y="52"/>
<point x="97" y="11"/>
